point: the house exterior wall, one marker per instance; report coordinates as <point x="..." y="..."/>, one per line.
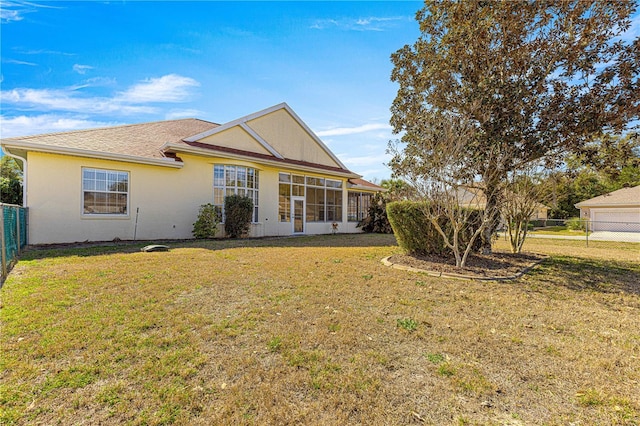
<point x="168" y="200"/>
<point x="612" y="218"/>
<point x="539" y="214"/>
<point x="236" y="138"/>
<point x="289" y="138"/>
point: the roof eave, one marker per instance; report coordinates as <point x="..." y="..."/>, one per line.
<point x="366" y="188"/>
<point x="172" y="147"/>
<point x="624" y="204"/>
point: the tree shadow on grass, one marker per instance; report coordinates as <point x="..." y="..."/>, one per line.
<point x="87" y="249"/>
<point x="579" y="274"/>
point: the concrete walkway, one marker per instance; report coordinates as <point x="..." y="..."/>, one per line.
<point x="627" y="237"/>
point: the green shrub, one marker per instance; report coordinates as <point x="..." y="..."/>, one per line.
<point x="377" y="220"/>
<point x="238" y="212"/>
<point x="538" y="223"/>
<point x="575" y="224"/>
<point x="206" y="225"/>
<point x="530" y="226"/>
<point x="416" y="234"/>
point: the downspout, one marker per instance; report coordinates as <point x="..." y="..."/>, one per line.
<point x="24" y="175"/>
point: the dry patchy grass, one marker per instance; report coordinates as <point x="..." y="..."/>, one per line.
<point x="315" y="330"/>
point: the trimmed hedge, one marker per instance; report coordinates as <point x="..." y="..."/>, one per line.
<point x="238" y="212"/>
<point x="416" y="234"/>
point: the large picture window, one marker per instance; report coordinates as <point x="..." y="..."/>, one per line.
<point x="105" y="192"/>
<point x="231" y="180"/>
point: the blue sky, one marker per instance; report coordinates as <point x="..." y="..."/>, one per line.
<point x="73" y="65"/>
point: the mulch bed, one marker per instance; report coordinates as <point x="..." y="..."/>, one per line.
<point x="481" y="266"/>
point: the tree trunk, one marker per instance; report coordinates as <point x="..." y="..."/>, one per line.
<point x="491" y="213"/>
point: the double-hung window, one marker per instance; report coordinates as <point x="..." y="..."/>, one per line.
<point x="105" y="192"/>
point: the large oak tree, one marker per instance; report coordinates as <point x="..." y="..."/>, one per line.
<point x="535" y="78"/>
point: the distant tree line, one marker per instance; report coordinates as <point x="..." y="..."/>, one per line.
<point x="10" y="181"/>
<point x="604" y="165"/>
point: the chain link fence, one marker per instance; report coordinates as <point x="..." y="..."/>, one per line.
<point x="585" y="229"/>
<point x="13" y="234"/>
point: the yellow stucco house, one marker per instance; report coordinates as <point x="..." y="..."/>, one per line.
<point x="147" y="181"/>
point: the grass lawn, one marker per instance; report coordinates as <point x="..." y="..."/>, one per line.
<point x="558" y="230"/>
<point x="315" y="330"/>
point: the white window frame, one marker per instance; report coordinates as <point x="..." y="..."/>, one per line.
<point x="234" y="189"/>
<point x="361" y="212"/>
<point x="84" y="189"/>
<point x="312" y="182"/>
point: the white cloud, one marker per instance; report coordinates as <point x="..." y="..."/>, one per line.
<point x="371" y="167"/>
<point x="372" y="23"/>
<point x="357" y="162"/>
<point x="17" y="62"/>
<point x="341" y="131"/>
<point x="321" y="24"/>
<point x="46" y="123"/>
<point x="70" y="101"/>
<point x="43" y="52"/>
<point x="13" y="11"/>
<point x="362" y="148"/>
<point x="135" y="100"/>
<point x="168" y="88"/>
<point x="7" y="15"/>
<point x="94" y="82"/>
<point x="184" y="113"/>
<point x="82" y="69"/>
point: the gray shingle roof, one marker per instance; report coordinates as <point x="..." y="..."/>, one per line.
<point x="621" y="197"/>
<point x="140" y="140"/>
<point x="146" y="141"/>
<point x="366" y="184"/>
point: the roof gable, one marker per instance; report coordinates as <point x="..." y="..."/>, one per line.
<point x="275" y="135"/>
<point x="236" y="137"/>
<point x="279" y="131"/>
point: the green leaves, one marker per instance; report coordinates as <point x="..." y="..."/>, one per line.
<point x="529" y="74"/>
<point x="238" y="212"/>
<point x="10" y="181"/>
<point x="530" y="81"/>
<point x="207" y="224"/>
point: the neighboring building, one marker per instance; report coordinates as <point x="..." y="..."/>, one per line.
<point x="475" y="198"/>
<point x="148" y="180"/>
<point x="617" y="211"/>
